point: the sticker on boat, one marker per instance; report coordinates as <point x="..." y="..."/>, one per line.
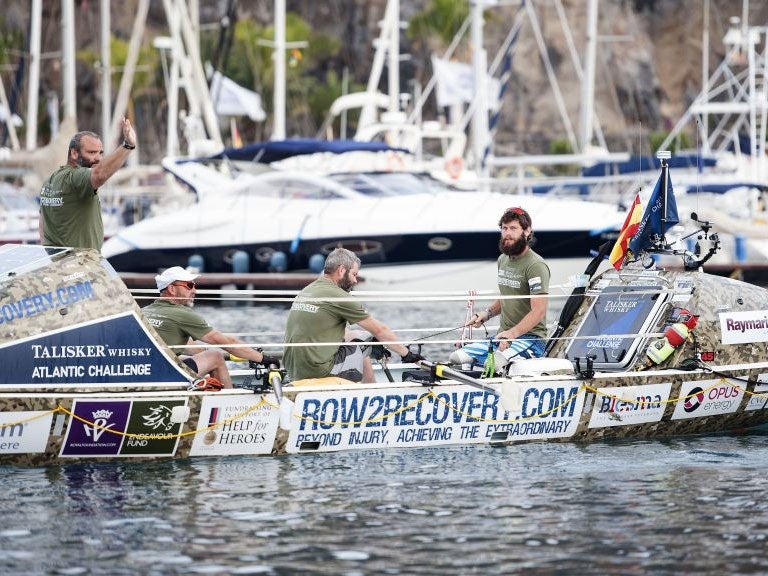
<point x="113" y="427"/>
<point x="111" y="350"/>
<point x="759" y="396"/>
<point x="24" y="432"/>
<point x="744" y="327"/>
<point x="708" y="397"/>
<point x="629" y="405"/>
<point x="235" y="425"/>
<point x="329" y="421"/>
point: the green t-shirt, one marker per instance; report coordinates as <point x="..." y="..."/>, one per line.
<point x="71" y="210"/>
<point x="527" y="274"/>
<point x="175" y="323"/>
<point x="317" y="322"/>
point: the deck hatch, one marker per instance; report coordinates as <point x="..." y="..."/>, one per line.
<point x="618" y="310"/>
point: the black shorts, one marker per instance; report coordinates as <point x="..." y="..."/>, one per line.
<point x="189" y="361"/>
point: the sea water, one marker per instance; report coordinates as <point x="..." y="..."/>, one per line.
<point x="687" y="505"/>
<point x="693" y="505"/>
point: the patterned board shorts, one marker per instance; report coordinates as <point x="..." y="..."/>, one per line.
<point x="348" y="361"/>
<point x="526" y="346"/>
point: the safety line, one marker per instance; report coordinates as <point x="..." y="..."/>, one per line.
<point x="430" y="393"/>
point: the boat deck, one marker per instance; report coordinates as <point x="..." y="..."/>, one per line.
<point x="751" y="272"/>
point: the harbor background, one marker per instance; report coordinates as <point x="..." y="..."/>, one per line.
<point x="649" y="66"/>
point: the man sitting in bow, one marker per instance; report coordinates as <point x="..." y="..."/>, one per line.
<point x="172" y="317"/>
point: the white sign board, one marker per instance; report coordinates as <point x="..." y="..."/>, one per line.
<point x="760" y="397"/>
<point x="744" y="327"/>
<point x="708" y="397"/>
<point x="330" y="421"/>
<point x="24" y="432"/>
<point x="629" y="405"/>
<point x="236" y="428"/>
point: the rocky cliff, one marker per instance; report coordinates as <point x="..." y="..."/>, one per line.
<point x="649" y="60"/>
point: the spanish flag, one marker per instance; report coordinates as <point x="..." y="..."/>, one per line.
<point x="629" y="229"/>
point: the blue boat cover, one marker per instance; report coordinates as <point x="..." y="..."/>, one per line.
<point x="645" y="164"/>
<point x="267" y="152"/>
<point x="713" y="188"/>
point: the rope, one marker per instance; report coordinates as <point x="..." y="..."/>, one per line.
<point x="366" y="293"/>
<point x="668" y="401"/>
<point x="437" y="330"/>
<point x="31" y="418"/>
<point x="430" y="393"/>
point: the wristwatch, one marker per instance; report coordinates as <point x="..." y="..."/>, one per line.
<point x="128" y="146"/>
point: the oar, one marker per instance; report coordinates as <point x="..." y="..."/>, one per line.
<point x="508" y="391"/>
<point x="275" y="378"/>
<point x="443" y="371"/>
<point x="386" y="370"/>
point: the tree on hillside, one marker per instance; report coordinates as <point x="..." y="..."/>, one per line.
<point x="309" y="87"/>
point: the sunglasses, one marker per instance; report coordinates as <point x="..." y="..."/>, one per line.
<point x="189" y="284"/>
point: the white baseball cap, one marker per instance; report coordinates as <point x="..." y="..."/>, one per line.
<point x="173" y="274"/>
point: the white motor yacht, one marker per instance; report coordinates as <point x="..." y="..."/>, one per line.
<point x="282" y="218"/>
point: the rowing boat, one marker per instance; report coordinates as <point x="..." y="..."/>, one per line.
<point x="642" y="353"/>
<point x="85" y="377"/>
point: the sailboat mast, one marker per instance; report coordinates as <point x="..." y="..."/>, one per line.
<point x="393" y="53"/>
<point x="705" y="73"/>
<point x="278" y="100"/>
<point x="480" y="65"/>
<point x="35" y="25"/>
<point x="106" y="70"/>
<point x="588" y="79"/>
<point x="68" y="51"/>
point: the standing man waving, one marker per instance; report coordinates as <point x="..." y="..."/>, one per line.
<point x="70" y="210"/>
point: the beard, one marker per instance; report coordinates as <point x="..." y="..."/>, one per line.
<point x="513" y="248"/>
<point x="84" y="162"/>
<point x="346" y="283"/>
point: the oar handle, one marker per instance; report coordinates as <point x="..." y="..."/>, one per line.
<point x="276" y="380"/>
<point x="443" y="371"/>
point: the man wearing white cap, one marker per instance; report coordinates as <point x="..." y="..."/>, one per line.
<point x="172" y="317"/>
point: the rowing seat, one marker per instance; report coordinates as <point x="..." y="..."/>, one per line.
<point x="328" y="381"/>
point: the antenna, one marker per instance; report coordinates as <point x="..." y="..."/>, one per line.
<point x="663" y="156"/>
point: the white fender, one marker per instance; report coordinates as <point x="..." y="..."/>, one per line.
<point x="537" y="366"/>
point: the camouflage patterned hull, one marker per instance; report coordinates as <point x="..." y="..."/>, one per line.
<point x="85" y="378"/>
<point x="43" y="428"/>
